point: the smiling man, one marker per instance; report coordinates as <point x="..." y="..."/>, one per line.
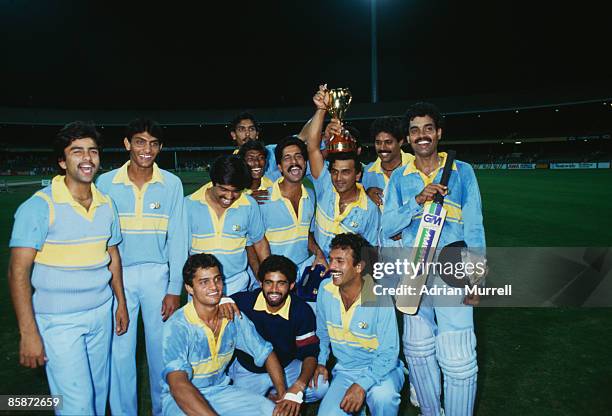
<point x="437" y="337"/>
<point x="255" y="155"/>
<point x="289" y="324"/>
<point x="363" y="338"/>
<point x="342" y="203"/>
<point x="64" y="244"/>
<point x="153" y="251"/>
<point x="199" y="343"/>
<point x="223" y="220"/>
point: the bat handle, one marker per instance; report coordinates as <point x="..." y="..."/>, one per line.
<point x="446" y="172"/>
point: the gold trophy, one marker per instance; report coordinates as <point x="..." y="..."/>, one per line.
<point x="340" y="99"/>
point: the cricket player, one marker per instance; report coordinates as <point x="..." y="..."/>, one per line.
<point x="64" y="244"/>
<point x="342" y="203"/>
<point x="364" y="339"/>
<point x="198" y="344"/>
<point x="245" y="128"/>
<point x="288" y="323"/>
<point x="153" y="252"/>
<point x="255" y="155"/>
<point x="222" y="220"/>
<point x="288" y="214"/>
<point x="437" y="337"/>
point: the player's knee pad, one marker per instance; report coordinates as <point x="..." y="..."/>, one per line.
<point x="419" y="340"/>
<point x="457" y="358"/>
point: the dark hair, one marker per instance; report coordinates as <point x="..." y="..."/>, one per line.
<point x="290" y="141"/>
<point x="252" y="145"/>
<point x="245" y="115"/>
<point x="281" y="264"/>
<point x="353" y="241"/>
<point x="354" y="132"/>
<point x="332" y="157"/>
<point x="199" y="261"/>
<point x="389" y="125"/>
<point x="422" y="109"/>
<point x="230" y="170"/>
<point x="71" y="132"/>
<point x="140" y="125"/>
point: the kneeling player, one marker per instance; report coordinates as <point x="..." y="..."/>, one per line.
<point x="198" y="344"/>
<point x="289" y="324"/>
<point x="364" y="339"/>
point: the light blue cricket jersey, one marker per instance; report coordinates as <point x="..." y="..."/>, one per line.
<point x="70" y="272"/>
<point x="463" y="205"/>
<point x="153" y="223"/>
<point x="360" y="217"/>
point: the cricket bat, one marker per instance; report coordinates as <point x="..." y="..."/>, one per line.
<point x="425" y="244"/>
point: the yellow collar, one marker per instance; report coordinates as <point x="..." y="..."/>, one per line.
<point x="362" y="200"/>
<point x="261" y="305"/>
<point x="276" y="192"/>
<point x="377" y="168"/>
<point x="200" y="195"/>
<point x="265" y="184"/>
<point x="411" y="166"/>
<point x="122" y="175"/>
<point x="191" y="315"/>
<point x="366" y="291"/>
<point x="61" y="194"/>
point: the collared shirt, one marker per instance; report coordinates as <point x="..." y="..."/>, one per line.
<point x="70" y="272"/>
<point x="265" y="184"/>
<point x="153" y="223"/>
<point x="225" y="237"/>
<point x="189" y="345"/>
<point x="361" y="338"/>
<point x="374" y="176"/>
<point x="463" y="205"/>
<point x="287" y="233"/>
<point x="359" y="217"/>
<point x="291" y="329"/>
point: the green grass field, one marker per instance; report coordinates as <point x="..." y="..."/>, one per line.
<point x="532" y="361"/>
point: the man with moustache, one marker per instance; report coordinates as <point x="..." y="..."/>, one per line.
<point x="287" y="322"/>
<point x="222" y="220"/>
<point x="363" y="337"/>
<point x="342" y="203"/>
<point x="198" y="344"/>
<point x="153" y="252"/>
<point x="289" y="213"/>
<point x="66" y="325"/>
<point x="437" y="337"/>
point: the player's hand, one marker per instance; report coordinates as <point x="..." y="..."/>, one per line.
<point x="170" y="304"/>
<point x="397" y="237"/>
<point x="319" y="371"/>
<point x="260" y="195"/>
<point x="428" y="193"/>
<point x="334" y="128"/>
<point x="353" y="398"/>
<point x="320" y="259"/>
<point x="321" y="98"/>
<point x="376" y="195"/>
<point x="122" y="319"/>
<point x="472" y="299"/>
<point x="229" y="310"/>
<point x="286" y="408"/>
<point x="31" y="351"/>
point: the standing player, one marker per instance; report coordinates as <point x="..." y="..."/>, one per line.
<point x="363" y="338"/>
<point x="199" y="343"/>
<point x="437" y="337"/>
<point x="288" y="323"/>
<point x="342" y="203"/>
<point x="153" y="252"/>
<point x="255" y="155"/>
<point x="222" y="220"/>
<point x="66" y="324"/>
<point x="288" y="214"/>
<point x="245" y="128"/>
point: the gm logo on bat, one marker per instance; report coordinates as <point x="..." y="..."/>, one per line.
<point x="432" y="219"/>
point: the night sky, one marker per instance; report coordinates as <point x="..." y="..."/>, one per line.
<point x="106" y="55"/>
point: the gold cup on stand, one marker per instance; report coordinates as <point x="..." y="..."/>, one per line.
<point x="340" y="99"/>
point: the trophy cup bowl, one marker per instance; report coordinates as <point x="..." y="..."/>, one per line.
<point x="340" y="99"/>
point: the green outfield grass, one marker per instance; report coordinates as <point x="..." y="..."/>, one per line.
<point x="532" y="361"/>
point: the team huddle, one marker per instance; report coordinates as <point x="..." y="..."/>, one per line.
<point x="270" y="255"/>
